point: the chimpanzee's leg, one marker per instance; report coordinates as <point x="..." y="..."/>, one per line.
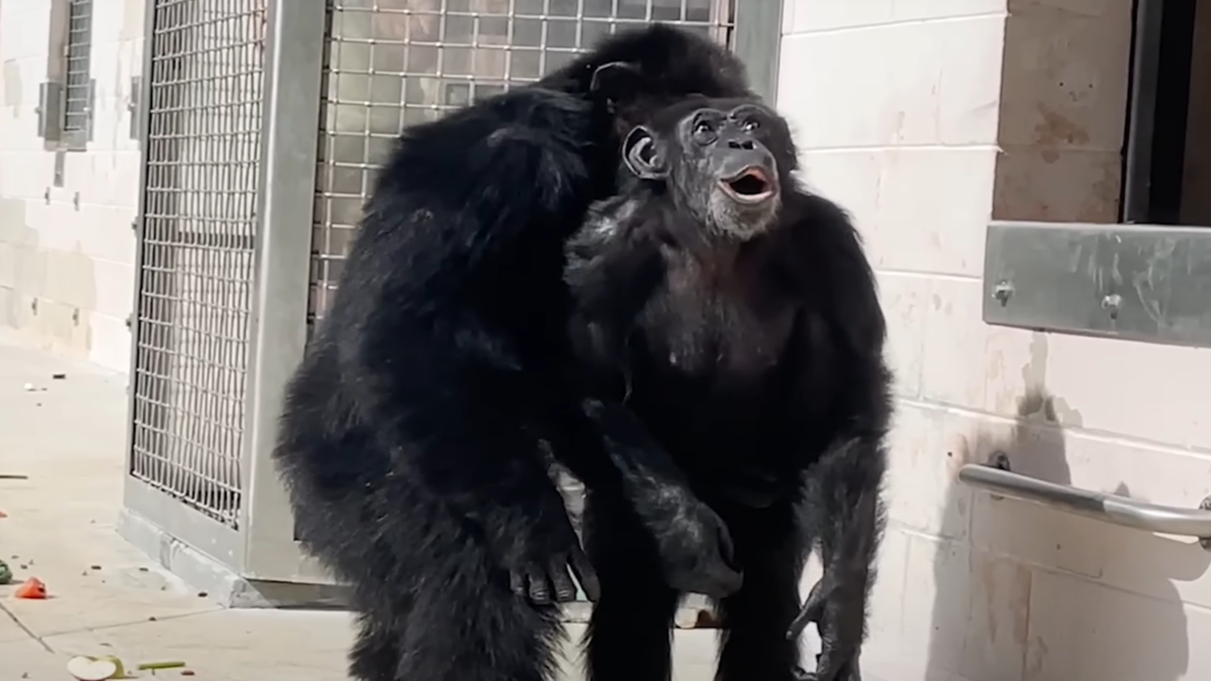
<point x="771" y="551"/>
<point x="630" y="636"/>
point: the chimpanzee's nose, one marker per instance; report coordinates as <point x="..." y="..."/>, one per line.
<point x="740" y="144"/>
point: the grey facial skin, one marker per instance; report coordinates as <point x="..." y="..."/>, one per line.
<point x="726" y="150"/>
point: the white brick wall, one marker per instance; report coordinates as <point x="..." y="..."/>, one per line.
<point x="925" y="119"/>
<point x="71" y="248"/>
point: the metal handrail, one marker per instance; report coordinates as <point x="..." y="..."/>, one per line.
<point x="1102" y="506"/>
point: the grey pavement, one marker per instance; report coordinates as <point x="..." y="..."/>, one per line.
<point x="106" y="598"/>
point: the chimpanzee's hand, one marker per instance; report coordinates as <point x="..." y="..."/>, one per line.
<point x="839" y="610"/>
<point x="840" y="641"/>
<point x="695" y="547"/>
<point x="540" y="554"/>
<point x="849" y="673"/>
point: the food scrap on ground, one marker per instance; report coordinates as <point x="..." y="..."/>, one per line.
<point x="6" y="573"/>
<point x="106" y="667"/>
<point x="87" y="668"/>
<point x="157" y="666"/>
<point x="31" y="589"/>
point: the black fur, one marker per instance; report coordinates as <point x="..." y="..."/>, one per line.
<point x="409" y="439"/>
<point x="754" y="361"/>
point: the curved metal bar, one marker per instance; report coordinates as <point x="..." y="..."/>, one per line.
<point x="1108" y="508"/>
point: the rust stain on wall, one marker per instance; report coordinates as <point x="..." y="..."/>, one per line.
<point x="1102" y="202"/>
<point x="1020" y="604"/>
<point x="1057" y="130"/>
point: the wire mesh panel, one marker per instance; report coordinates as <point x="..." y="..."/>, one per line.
<point x="202" y="152"/>
<point x="393" y="63"/>
<point x="77" y="95"/>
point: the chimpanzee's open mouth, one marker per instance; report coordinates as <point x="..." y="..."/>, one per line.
<point x="752" y="185"/>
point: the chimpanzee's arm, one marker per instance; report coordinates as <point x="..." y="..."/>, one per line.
<point x="840" y="347"/>
<point x="611" y="274"/>
<point x="844" y="512"/>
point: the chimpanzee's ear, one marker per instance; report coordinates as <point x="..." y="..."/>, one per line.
<point x="616" y="81"/>
<point x="642" y="153"/>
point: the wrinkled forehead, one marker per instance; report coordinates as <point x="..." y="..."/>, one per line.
<point x="711" y="113"/>
<point x="698" y="108"/>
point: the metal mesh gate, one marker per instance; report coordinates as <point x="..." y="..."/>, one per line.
<point x="203" y="147"/>
<point x="393" y="63"/>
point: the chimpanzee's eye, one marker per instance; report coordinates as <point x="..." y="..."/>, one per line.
<point x="751" y="125"/>
<point x="704" y="131"/>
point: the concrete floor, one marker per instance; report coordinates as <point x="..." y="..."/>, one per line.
<point x="106" y="598"/>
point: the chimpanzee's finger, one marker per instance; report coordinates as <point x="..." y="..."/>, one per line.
<point x="828" y="667"/>
<point x="517" y="583"/>
<point x="817" y="598"/>
<point x="835" y="663"/>
<point x="540" y="591"/>
<point x="812" y="610"/>
<point x="585" y="574"/>
<point x="565" y="588"/>
<point x="836" y="672"/>
<point x="798" y="624"/>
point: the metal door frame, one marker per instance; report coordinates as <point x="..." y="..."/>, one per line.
<point x="296" y="43"/>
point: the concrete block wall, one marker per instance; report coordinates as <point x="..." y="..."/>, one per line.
<point x="67" y="253"/>
<point x="927" y="119"/>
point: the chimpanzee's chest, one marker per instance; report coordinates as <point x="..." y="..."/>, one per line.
<point x="710" y="371"/>
<point x="728" y="327"/>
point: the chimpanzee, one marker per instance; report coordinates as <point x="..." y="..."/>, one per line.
<point x="412" y="435"/>
<point x="728" y="323"/>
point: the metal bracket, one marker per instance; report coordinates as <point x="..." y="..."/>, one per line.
<point x="999" y="460"/>
<point x="1101" y="506"/>
<point x="50" y="111"/>
<point x="60" y="172"/>
<point x="134" y="109"/>
<point x="1147" y="283"/>
<point x="1205" y="505"/>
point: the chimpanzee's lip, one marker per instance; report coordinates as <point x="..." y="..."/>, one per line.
<point x="752" y="185"/>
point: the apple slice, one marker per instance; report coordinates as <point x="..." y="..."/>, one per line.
<point x="86" y="668"/>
